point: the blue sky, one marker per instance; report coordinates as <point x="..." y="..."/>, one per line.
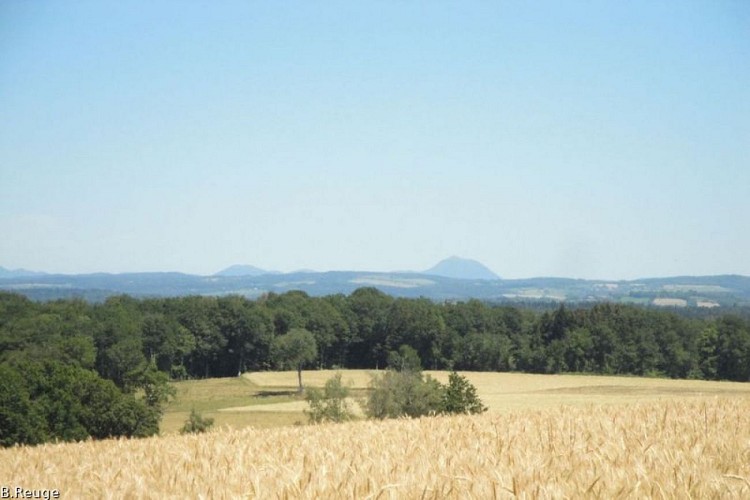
<point x="579" y="139"/>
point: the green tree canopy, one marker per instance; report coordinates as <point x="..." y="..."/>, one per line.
<point x="406" y="359"/>
<point x="50" y="400"/>
<point x="294" y="350"/>
<point x="460" y="396"/>
<point x="404" y="394"/>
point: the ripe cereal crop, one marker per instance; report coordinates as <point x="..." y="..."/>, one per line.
<point x="693" y="448"/>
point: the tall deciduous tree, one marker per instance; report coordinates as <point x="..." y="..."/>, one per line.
<point x="294" y="350"/>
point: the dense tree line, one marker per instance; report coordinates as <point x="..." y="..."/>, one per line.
<point x="126" y="348"/>
<point x="195" y="337"/>
<point x="49" y="401"/>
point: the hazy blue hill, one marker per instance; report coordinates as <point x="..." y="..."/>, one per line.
<point x="244" y="270"/>
<point x="465" y="269"/>
<point x="18" y="273"/>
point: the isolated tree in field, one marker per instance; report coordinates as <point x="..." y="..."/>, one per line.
<point x="460" y="396"/>
<point x="294" y="350"/>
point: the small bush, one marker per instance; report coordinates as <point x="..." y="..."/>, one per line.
<point x="330" y="405"/>
<point x="196" y="424"/>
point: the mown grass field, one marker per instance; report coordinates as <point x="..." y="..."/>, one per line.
<point x="268" y="399"/>
<point x="689" y="447"/>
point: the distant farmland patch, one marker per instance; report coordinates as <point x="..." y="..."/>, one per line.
<point x="392" y="281"/>
<point x="535" y="293"/>
<point x="697" y="288"/>
<point x="707" y="303"/>
<point x="667" y="302"/>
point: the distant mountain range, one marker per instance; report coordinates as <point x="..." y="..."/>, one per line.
<point x="451" y="279"/>
<point x="452" y="267"/>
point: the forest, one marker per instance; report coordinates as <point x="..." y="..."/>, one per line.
<point x="71" y="369"/>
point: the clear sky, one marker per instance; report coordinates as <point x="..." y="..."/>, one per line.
<point x="584" y="139"/>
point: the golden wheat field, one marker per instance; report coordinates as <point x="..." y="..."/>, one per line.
<point x="697" y="448"/>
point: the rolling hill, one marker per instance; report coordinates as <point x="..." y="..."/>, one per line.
<point x="458" y="268"/>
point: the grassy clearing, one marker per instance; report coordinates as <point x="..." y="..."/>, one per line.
<point x="261" y="399"/>
<point x="268" y="399"/>
<point x="211" y="396"/>
<point x="695" y="448"/>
